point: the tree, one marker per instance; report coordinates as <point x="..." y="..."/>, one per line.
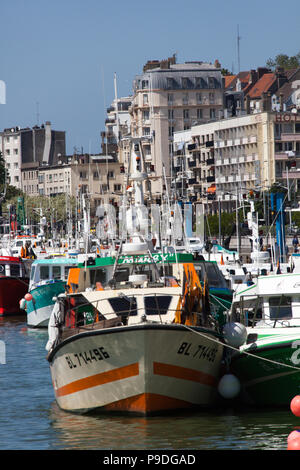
<point x="284" y="61"/>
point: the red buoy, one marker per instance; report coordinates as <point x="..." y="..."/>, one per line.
<point x="28" y="297"/>
<point x="294" y="441"/>
<point x="295" y="406"/>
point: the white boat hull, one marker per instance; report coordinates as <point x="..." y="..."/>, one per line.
<point x="144" y="369"/>
<point x="39" y="318"/>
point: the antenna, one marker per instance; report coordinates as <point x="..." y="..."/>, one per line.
<point x="117" y="107"/>
<point x="37" y="113"/>
<point x="238" y="48"/>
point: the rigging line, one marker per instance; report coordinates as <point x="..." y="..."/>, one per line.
<point x="242" y="351"/>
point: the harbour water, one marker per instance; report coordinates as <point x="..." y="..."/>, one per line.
<point x="31" y="420"/>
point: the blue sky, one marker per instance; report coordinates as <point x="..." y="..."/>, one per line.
<point x="62" y="54"/>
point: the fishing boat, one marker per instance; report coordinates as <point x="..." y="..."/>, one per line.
<point x="136" y="332"/>
<point x="267" y="365"/>
<point x="14" y="280"/>
<point x="47" y="280"/>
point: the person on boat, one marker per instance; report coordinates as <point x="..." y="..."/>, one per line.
<point x="249" y="280"/>
<point x="27" y="251"/>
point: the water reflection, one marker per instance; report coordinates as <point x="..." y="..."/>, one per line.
<point x="31" y="418"/>
<point x="227" y="430"/>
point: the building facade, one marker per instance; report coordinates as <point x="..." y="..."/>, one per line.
<point x="170" y="97"/>
<point x="234" y="156"/>
<point x="25" y="147"/>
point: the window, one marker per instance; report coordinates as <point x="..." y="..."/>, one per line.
<point x="170" y="98"/>
<point x="56" y="272"/>
<point x="124" y="305"/>
<point x="199" y="114"/>
<point x="117" y="187"/>
<point x="44" y="273"/>
<point x="121" y="274"/>
<point x="146" y="115"/>
<point x="169" y="82"/>
<point x="146" y="130"/>
<point x="280" y="307"/>
<point x="211" y="82"/>
<point x="185" y="98"/>
<point x="171" y="131"/>
<point x="186" y="114"/>
<point x="157" y="305"/>
<point x="170" y="114"/>
<point x="211" y="97"/>
<point x="15" y="270"/>
<point x="184" y="82"/>
<point x="212" y="113"/>
<point x="199" y="98"/>
<point x="145" y="84"/>
<point x="16" y="151"/>
<point x="97" y="275"/>
<point x="198" y="82"/>
<point x="96" y="175"/>
<point x="82" y="175"/>
<point x="145" y="99"/>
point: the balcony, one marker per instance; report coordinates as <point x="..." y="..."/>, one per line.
<point x="291" y="137"/>
<point x="291" y="174"/>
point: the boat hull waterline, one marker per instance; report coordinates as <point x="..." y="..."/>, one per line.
<point x="140" y="369"/>
<point x="270" y="376"/>
<point x="39" y="309"/>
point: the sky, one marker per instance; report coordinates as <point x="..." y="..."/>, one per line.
<point x="58" y="58"/>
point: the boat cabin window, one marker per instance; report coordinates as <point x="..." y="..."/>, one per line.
<point x="280" y="307"/>
<point x="2" y="270"/>
<point x="44" y="273"/>
<point x="67" y="268"/>
<point x="214" y="276"/>
<point x="32" y="272"/>
<point x="122" y="274"/>
<point x="15" y="270"/>
<point x="56" y="272"/>
<point x="157" y="304"/>
<point x="97" y="275"/>
<point x="124" y="306"/>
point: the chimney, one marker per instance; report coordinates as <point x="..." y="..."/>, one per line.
<point x="247" y="104"/>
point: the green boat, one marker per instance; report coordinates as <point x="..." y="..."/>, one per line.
<point x="47" y="280"/>
<point x="268" y="365"/>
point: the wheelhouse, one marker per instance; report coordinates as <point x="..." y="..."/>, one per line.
<point x="50" y="270"/>
<point x="11" y="267"/>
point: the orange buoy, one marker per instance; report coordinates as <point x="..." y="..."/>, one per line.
<point x="28" y="297"/>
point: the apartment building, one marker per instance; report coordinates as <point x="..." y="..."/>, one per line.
<point x="98" y="175"/>
<point x="22" y="147"/>
<point x="167" y="98"/>
<point x="233" y="156"/>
